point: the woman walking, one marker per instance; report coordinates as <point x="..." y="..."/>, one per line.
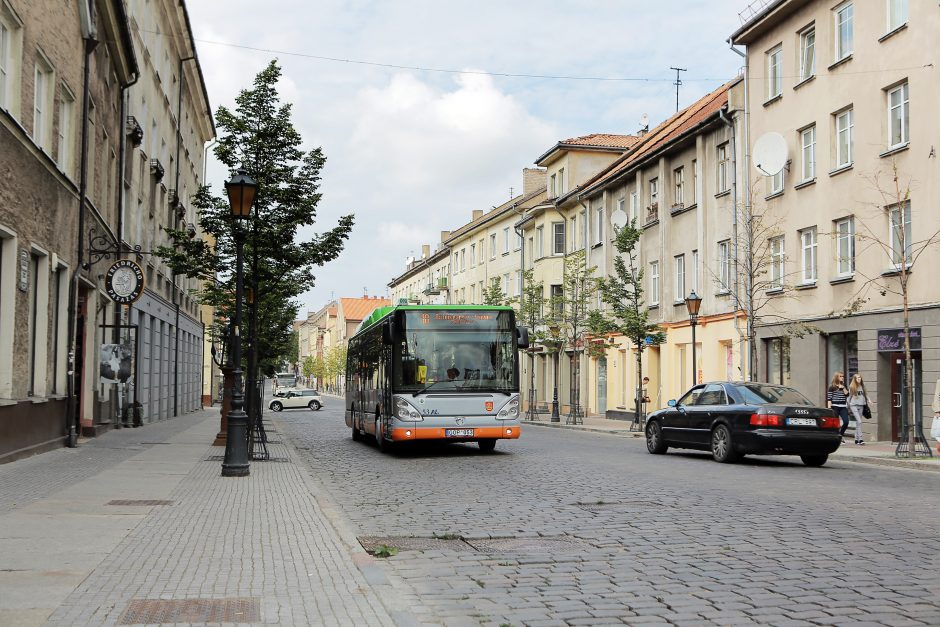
<point x="836" y="398"/>
<point x="858" y="400"/>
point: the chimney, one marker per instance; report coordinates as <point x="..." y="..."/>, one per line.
<point x="444" y="235"/>
<point x="477" y="213"/>
<point x="425" y="251"/>
<point x="532" y="179"/>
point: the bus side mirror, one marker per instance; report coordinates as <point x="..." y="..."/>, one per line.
<point x="388" y="333"/>
<point x="522" y="336"/>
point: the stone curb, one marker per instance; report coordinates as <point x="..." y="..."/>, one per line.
<point x="623" y="433"/>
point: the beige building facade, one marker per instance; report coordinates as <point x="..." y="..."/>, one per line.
<point x="852" y="89"/>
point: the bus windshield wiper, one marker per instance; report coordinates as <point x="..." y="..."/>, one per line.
<point x="428" y="387"/>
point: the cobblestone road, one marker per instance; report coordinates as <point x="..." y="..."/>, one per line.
<point x="592" y="530"/>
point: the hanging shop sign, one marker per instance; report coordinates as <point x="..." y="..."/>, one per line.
<point x="891" y="340"/>
<point x="124" y="281"/>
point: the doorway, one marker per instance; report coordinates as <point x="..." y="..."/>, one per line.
<point x="602" y="385"/>
<point x="899" y="395"/>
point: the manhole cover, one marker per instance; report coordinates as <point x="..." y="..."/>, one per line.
<point x="625" y="506"/>
<point x="558" y="544"/>
<point x="157" y="611"/>
<point x="405" y="543"/>
<point x="142" y="502"/>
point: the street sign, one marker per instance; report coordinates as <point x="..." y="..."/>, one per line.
<point x="124" y="281"/>
<point x="649" y="340"/>
<point x="24" y="270"/>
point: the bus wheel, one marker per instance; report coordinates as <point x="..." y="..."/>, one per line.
<point x="383" y="445"/>
<point x="356" y="436"/>
<point x="487" y="445"/>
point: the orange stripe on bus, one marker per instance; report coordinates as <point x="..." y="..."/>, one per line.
<point x="434" y="433"/>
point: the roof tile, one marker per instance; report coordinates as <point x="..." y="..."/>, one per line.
<point x="360" y="308"/>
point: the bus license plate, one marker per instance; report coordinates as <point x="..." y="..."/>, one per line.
<point x="458" y="433"/>
<point x="802" y="422"/>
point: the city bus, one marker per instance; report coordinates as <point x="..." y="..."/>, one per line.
<point x="435" y="372"/>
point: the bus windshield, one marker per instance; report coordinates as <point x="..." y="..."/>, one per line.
<point x="441" y="351"/>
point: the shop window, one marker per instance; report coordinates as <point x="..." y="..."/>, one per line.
<point x="778" y="360"/>
<point x="841" y="354"/>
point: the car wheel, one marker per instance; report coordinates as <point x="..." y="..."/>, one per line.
<point x="814" y="460"/>
<point x="487" y="445"/>
<point x="383" y="445"/>
<point x="276" y="406"/>
<point x="654" y="438"/>
<point x="314" y="405"/>
<point x="722" y="447"/>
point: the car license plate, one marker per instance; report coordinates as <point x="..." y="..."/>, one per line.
<point x="801" y="422"/>
<point x="458" y="433"/>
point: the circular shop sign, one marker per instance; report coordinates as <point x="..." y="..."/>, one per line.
<point x="124" y="281"/>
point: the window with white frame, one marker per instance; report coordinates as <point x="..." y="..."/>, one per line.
<point x="679" y="278"/>
<point x="518" y="284"/>
<point x="902" y="239"/>
<point x="694" y="282"/>
<point x="808" y="53"/>
<point x="622" y="206"/>
<point x="678" y="186"/>
<point x="493" y="246"/>
<point x="693" y="193"/>
<point x="561" y="180"/>
<point x="531" y="256"/>
<point x="5" y="60"/>
<point x="557" y="300"/>
<point x="552" y="185"/>
<point x="654" y="283"/>
<point x="518" y="240"/>
<point x="808" y="152"/>
<point x="463" y="259"/>
<point x="654" y="193"/>
<point x="473" y="289"/>
<point x="843" y="16"/>
<point x="724" y="265"/>
<point x="558" y="238"/>
<point x="634" y="206"/>
<point x="506" y="240"/>
<point x="11" y="46"/>
<point x="844" y="131"/>
<point x="65" y="156"/>
<point x="43" y="97"/>
<point x="777" y="259"/>
<point x="574" y="232"/>
<point x="898" y="116"/>
<point x="774" y="72"/>
<point x="539" y="242"/>
<point x="845" y="246"/>
<point x="598" y="224"/>
<point x="722" y="159"/>
<point x="456" y="262"/>
<point x="9" y="271"/>
<point x="38" y="322"/>
<point x="808" y="258"/>
<point x="584" y="229"/>
<point x="897" y="14"/>
<point x="473" y="255"/>
<point x="775" y="182"/>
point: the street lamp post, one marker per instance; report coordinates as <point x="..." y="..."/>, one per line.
<point x="241" y="196"/>
<point x="554" y="330"/>
<point x="693" y="302"/>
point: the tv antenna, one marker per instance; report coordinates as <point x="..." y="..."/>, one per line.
<point x="678" y="83"/>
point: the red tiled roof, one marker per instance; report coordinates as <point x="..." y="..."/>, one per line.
<point x="359" y="308"/>
<point x="666" y="132"/>
<point x="603" y="139"/>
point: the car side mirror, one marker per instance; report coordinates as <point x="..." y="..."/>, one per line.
<point x="522" y="337"/>
<point x="672" y="402"/>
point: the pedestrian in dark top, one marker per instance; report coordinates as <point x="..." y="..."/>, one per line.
<point x="836" y="398"/>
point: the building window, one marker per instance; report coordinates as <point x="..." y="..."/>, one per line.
<point x="844" y="30"/>
<point x="678" y="181"/>
<point x="808" y="53"/>
<point x="901" y="238"/>
<point x="518" y="240"/>
<point x="897" y="14"/>
<point x="66" y="147"/>
<point x="574" y="232"/>
<point x="776" y="183"/>
<point x="808" y="143"/>
<point x="557" y="300"/>
<point x="558" y="238"/>
<point x="456" y="263"/>
<point x="463" y="259"/>
<point x="518" y="289"/>
<point x="654" y="283"/>
<point x="842" y="354"/>
<point x="634" y="206"/>
<point x="493" y="246"/>
<point x="777" y="260"/>
<point x="531" y="255"/>
<point x="694" y="281"/>
<point x="59" y="309"/>
<point x="506" y="284"/>
<point x="775" y="72"/>
<point x="561" y="180"/>
<point x="778" y="360"/>
<point x="693" y="193"/>
<point x="654" y="193"/>
<point x="724" y="266"/>
<point x="584" y="229"/>
<point x="723" y="167"/>
<point x="11" y="39"/>
<point x="473" y="289"/>
<point x="5" y="61"/>
<point x="808" y="243"/>
<point x="506" y="240"/>
<point x="599" y="224"/>
<point x="473" y="255"/>
<point x="845" y="246"/>
<point x="552" y="186"/>
<point x="898" y="116"/>
<point x="679" y="283"/>
<point x="43" y="95"/>
<point x="844" y="126"/>
<point x="540" y="242"/>
<point x="622" y="206"/>
<point x="38" y="322"/>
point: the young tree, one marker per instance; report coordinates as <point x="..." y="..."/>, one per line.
<point x="623" y="293"/>
<point x="259" y="137"/>
<point x="530" y="309"/>
<point x="493" y="294"/>
<point x="336" y="364"/>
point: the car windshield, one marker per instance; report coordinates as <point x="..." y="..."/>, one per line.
<point x="760" y="393"/>
<point x="459" y="350"/>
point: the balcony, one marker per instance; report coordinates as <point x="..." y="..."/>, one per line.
<point x="172" y="197"/>
<point x="133" y="130"/>
<point x="431" y="288"/>
<point x="156" y="169"/>
<point x="677" y="208"/>
<point x="652" y="213"/>
<point x="442" y="283"/>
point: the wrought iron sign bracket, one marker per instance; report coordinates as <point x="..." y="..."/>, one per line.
<point x="101" y="247"/>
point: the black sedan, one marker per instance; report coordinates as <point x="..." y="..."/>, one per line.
<point x="735" y="419"/>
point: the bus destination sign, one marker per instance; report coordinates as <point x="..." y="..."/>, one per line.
<point x="450" y="319"/>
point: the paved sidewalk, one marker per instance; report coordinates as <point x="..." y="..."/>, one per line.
<point x="878" y="453"/>
<point x="138" y="527"/>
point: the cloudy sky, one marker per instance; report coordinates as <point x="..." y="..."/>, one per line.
<point x="413" y="151"/>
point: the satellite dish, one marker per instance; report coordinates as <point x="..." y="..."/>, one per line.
<point x="770" y="153"/>
<point x="618" y="218"/>
<point x="644" y="121"/>
<point x="409" y="260"/>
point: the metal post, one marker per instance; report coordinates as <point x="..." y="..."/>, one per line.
<point x="555" y="416"/>
<point x="236" y="441"/>
<point x="694" y="366"/>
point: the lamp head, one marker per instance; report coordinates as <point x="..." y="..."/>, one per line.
<point x="693" y="303"/>
<point x="241" y="192"/>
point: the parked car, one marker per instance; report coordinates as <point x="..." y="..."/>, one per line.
<point x="732" y="419"/>
<point x="293" y="398"/>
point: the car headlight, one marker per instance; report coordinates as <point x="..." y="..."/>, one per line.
<point x="406" y="411"/>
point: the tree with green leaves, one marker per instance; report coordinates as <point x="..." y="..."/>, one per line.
<point x="530" y="311"/>
<point x="336" y="364"/>
<point x="493" y="294"/>
<point x="259" y="137"/>
<point x="623" y="293"/>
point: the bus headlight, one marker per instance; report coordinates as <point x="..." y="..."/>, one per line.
<point x="509" y="411"/>
<point x="407" y="411"/>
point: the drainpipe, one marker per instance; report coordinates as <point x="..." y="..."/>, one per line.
<point x="748" y="280"/>
<point x="734" y="224"/>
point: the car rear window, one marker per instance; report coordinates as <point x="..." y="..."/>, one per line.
<point x="758" y="394"/>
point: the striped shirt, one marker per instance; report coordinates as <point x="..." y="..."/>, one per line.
<point x="836" y="397"/>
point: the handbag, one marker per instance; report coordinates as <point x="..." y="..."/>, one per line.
<point x="866" y="411"/>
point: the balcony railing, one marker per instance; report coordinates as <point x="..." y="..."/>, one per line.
<point x="133" y="130"/>
<point x="156" y="168"/>
<point x="431" y="288"/>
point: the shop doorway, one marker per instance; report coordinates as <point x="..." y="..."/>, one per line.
<point x="602" y="385"/>
<point x="899" y="395"/>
